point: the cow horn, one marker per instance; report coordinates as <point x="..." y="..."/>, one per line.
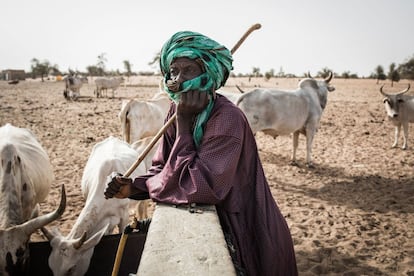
<point x="48" y="234"/>
<point x="399" y="93"/>
<point x="382" y="92"/>
<point x="80" y="241"/>
<point x="404" y="91"/>
<point x="240" y="90"/>
<point x="32" y="225"/>
<point x="328" y="79"/>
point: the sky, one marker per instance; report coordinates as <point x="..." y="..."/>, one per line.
<point x="297" y="36"/>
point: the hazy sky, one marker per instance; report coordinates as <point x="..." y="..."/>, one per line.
<point x="296" y="35"/>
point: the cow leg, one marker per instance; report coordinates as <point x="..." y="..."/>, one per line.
<point x="295" y="147"/>
<point x="310" y="133"/>
<point x="396" y="134"/>
<point x="405" y="136"/>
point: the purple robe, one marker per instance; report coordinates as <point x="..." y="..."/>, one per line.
<point x="224" y="171"/>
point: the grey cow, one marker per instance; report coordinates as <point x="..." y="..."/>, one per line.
<point x="400" y="111"/>
<point x="278" y="112"/>
<point x="25" y="178"/>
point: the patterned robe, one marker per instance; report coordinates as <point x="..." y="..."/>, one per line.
<point x="225" y="171"/>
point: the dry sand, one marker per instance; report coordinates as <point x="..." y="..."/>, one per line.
<point x="353" y="214"/>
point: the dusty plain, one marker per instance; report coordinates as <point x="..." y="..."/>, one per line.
<point x="353" y="214"/>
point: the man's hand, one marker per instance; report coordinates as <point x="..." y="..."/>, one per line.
<point x="191" y="104"/>
<point x="118" y="186"/>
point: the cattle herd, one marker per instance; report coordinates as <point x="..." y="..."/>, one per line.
<point x="26" y="172"/>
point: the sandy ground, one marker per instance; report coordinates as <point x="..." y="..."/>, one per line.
<point x="353" y="214"/>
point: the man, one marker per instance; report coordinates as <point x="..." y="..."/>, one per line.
<point x="210" y="157"/>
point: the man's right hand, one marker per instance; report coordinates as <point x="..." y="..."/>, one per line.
<point x="118" y="186"/>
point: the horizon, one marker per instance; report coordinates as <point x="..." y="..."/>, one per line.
<point x="296" y="37"/>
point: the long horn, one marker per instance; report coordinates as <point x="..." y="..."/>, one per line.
<point x="404" y="91"/>
<point x="399" y="93"/>
<point x="328" y="79"/>
<point x="172" y="118"/>
<point x="240" y="90"/>
<point x="32" y="225"/>
<point x="382" y="92"/>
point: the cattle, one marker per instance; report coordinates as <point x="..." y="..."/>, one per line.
<point x="71" y="255"/>
<point x="232" y="96"/>
<point x="25" y="179"/>
<point x="103" y="84"/>
<point x="400" y="111"/>
<point x="73" y="85"/>
<point x="278" y="112"/>
<point x="141" y="119"/>
<point x="140" y="146"/>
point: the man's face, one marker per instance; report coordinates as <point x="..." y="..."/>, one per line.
<point x="183" y="69"/>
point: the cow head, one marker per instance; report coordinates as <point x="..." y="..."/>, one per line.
<point x="321" y="87"/>
<point x="71" y="256"/>
<point x="14" y="252"/>
<point x="392" y="102"/>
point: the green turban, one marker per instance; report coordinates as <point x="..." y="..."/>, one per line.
<point x="217" y="61"/>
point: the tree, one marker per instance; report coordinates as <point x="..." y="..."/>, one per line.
<point x="42" y="68"/>
<point x="94" y="70"/>
<point x="393" y="74"/>
<point x="324" y="72"/>
<point x="379" y="73"/>
<point x="346" y="75"/>
<point x="101" y="62"/>
<point x="127" y="66"/>
<point x="270" y="74"/>
<point x="407" y="69"/>
<point x="256" y="71"/>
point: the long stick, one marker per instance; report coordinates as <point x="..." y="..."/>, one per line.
<point x="154" y="140"/>
<point x="172" y="119"/>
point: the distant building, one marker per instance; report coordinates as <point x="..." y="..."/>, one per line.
<point x="9" y="75"/>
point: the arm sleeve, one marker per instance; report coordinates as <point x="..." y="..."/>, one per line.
<point x="182" y="173"/>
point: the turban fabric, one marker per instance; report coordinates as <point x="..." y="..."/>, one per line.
<point x="217" y="62"/>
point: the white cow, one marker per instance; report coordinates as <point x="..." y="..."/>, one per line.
<point x="400" y="111"/>
<point x="103" y="84"/>
<point x="71" y="255"/>
<point x="25" y="178"/>
<point x="232" y="96"/>
<point x="140" y="146"/>
<point x="277" y="112"/>
<point x="73" y="85"/>
<point x="141" y="119"/>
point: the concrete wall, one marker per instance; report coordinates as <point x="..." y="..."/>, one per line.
<point x="183" y="243"/>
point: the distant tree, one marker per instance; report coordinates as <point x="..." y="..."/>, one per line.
<point x="281" y="73"/>
<point x="94" y="70"/>
<point x="155" y="60"/>
<point x="379" y="73"/>
<point x="127" y="66"/>
<point x="393" y="74"/>
<point x="270" y="74"/>
<point x="346" y="75"/>
<point x="255" y="72"/>
<point x="42" y="68"/>
<point x="324" y="72"/>
<point x="102" y="62"/>
<point x="407" y="69"/>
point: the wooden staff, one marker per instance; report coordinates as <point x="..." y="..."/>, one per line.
<point x="154" y="140"/>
